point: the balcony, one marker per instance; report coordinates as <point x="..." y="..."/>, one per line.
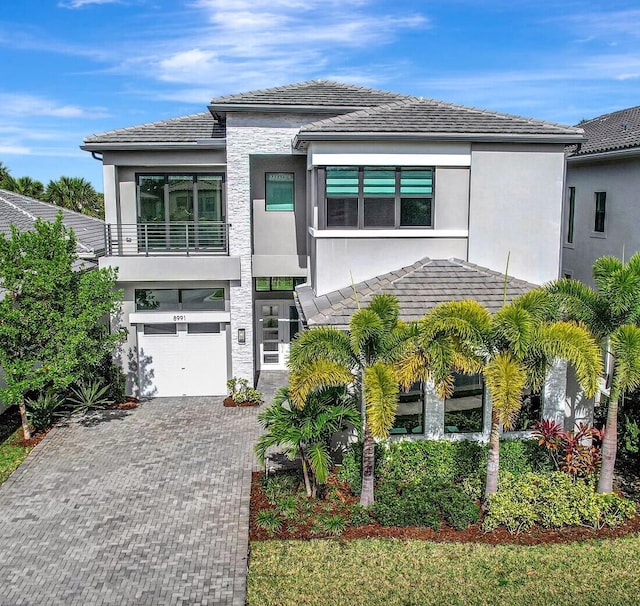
<point x="204" y="238"/>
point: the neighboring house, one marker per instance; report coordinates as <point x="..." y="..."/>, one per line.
<point x="22" y="212"/>
<point x="215" y="219"/>
<point x="603" y="193"/>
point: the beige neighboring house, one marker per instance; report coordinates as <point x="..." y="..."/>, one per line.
<point x="22" y="212"/>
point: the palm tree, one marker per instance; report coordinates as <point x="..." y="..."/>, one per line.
<point x="327" y="357"/>
<point x="74" y="193"/>
<point x="612" y="311"/>
<point x="25" y="186"/>
<point x="513" y="349"/>
<point x="4" y="172"/>
<point x="306" y="432"/>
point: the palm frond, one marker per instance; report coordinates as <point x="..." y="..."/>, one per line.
<point x="320" y="460"/>
<point x="381" y="398"/>
<point x="365" y="329"/>
<point x="625" y="345"/>
<point x="320" y="343"/>
<point x="513" y="326"/>
<point x="604" y="269"/>
<point x="506" y="378"/>
<point x="539" y="304"/>
<point x="314" y="376"/>
<point x="468" y="320"/>
<point x="578" y="346"/>
<point x="387" y="307"/>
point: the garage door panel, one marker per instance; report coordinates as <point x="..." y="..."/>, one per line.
<point x="193" y="364"/>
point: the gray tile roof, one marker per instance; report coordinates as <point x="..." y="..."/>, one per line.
<point x="22" y="211"/>
<point x="616" y="131"/>
<point x="186" y="129"/>
<point x="417" y="115"/>
<point x="319" y="93"/>
<point x="419" y="288"/>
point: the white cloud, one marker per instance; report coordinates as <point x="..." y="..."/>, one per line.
<point x="12" y="104"/>
<point x="15" y="150"/>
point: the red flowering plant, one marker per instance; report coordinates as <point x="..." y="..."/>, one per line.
<point x="577" y="453"/>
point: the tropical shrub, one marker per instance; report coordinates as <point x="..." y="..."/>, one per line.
<point x="269" y="520"/>
<point x="552" y="500"/>
<point x="86" y="396"/>
<point x="329" y="524"/>
<point x="360" y="516"/>
<point x="577" y="453"/>
<point x="457" y="508"/>
<point x="411" y="505"/>
<point x="43" y="410"/>
<point x="306" y="432"/>
<point x="240" y="391"/>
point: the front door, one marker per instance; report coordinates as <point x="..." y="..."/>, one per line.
<point x="277" y="324"/>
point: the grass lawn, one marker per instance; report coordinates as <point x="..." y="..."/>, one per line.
<point x="11" y="455"/>
<point x="393" y="573"/>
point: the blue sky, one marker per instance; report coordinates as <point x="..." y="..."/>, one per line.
<point x="71" y="68"/>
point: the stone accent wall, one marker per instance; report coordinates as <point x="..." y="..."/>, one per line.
<point x="247" y="134"/>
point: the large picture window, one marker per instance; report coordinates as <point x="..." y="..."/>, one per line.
<point x="464" y="410"/>
<point x="183" y="299"/>
<point x="378" y="197"/>
<point x="410" y="413"/>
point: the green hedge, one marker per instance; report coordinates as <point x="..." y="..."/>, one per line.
<point x="552" y="500"/>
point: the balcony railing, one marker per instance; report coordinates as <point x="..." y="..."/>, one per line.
<point x="155" y="239"/>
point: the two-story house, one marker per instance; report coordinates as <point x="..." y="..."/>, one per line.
<point x="603" y="193"/>
<point x="214" y="220"/>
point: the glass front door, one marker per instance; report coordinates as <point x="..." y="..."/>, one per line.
<point x="277" y="324"/>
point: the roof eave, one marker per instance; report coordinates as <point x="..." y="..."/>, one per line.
<point x="604" y="155"/>
<point x="301" y="138"/>
<point x="156" y="146"/>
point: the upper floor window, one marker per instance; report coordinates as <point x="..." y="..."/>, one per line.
<point x="601" y="203"/>
<point x="378" y="197"/>
<point x="278" y="283"/>
<point x="279" y="191"/>
<point x="571" y="214"/>
<point x="169" y="198"/>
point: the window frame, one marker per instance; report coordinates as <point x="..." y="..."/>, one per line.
<point x="293" y="192"/>
<point x="297" y="280"/>
<point x="166" y="176"/>
<point x="180" y="305"/>
<point x="600" y="233"/>
<point x="481" y="386"/>
<point x="571" y="216"/>
<point x="360" y="198"/>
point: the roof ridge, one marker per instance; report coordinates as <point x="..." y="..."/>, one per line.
<point x="608" y="115"/>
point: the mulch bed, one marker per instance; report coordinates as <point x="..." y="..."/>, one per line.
<point x="473" y="534"/>
<point x="128" y="404"/>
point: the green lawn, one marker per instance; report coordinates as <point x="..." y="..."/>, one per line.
<point x="11" y="455"/>
<point x="393" y="573"/>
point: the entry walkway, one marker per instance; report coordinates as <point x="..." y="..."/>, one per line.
<point x="149" y="506"/>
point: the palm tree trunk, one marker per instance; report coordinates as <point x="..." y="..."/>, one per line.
<point x="368" y="465"/>
<point x="610" y="442"/>
<point x="26" y="432"/>
<point x="305" y="475"/>
<point x="493" y="461"/>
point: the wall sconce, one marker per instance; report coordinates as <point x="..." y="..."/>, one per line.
<point x="242" y="336"/>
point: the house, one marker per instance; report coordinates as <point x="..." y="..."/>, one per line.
<point x="234" y="227"/>
<point x="603" y="193"/>
<point x="21" y="211"/>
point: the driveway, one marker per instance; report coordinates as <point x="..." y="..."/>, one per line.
<point x="149" y="506"/>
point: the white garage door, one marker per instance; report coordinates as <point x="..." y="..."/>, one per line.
<point x="182" y="359"/>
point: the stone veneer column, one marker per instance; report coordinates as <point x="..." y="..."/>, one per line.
<point x="249" y="134"/>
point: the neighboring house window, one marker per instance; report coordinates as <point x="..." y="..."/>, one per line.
<point x="171" y="198"/>
<point x="279" y="191"/>
<point x="184" y="299"/>
<point x="409" y="417"/>
<point x="601" y="203"/>
<point x="280" y="283"/>
<point x="571" y="214"/>
<point x="464" y="410"/>
<point x="378" y="197"/>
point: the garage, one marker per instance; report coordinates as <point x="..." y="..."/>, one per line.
<point x="182" y="359"/>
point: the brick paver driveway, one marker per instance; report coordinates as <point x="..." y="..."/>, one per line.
<point x="149" y="506"/>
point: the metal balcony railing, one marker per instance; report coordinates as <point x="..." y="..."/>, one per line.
<point x="155" y="239"/>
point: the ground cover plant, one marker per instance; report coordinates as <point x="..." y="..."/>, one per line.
<point x="12" y="451"/>
<point x="380" y="572"/>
